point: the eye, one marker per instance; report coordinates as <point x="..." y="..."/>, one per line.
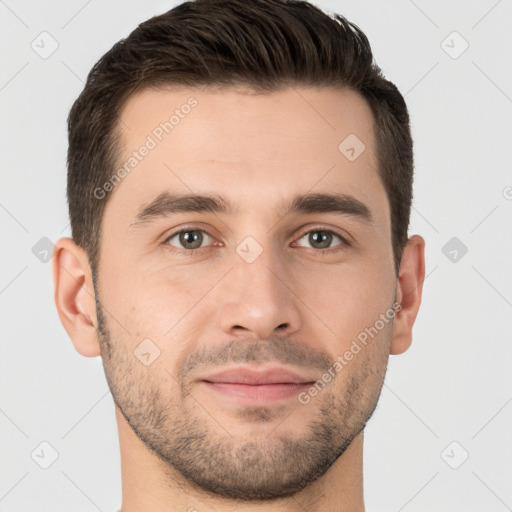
<point x="322" y="239"/>
<point x="189" y="239"/>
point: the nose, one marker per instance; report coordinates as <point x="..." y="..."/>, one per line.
<point x="259" y="299"/>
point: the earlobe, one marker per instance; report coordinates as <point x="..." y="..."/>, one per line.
<point x="409" y="290"/>
<point x="74" y="296"/>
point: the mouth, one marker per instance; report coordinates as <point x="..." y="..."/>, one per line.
<point x="257" y="387"/>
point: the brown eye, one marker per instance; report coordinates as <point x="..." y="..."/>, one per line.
<point x="189" y="239"/>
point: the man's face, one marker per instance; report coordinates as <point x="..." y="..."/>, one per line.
<point x="261" y="289"/>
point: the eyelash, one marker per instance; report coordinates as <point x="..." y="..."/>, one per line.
<point x="191" y="252"/>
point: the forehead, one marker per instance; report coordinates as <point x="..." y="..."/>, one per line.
<point x="245" y="146"/>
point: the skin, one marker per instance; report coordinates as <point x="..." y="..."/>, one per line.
<point x="181" y="443"/>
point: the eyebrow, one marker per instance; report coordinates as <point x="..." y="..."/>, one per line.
<point x="167" y="204"/>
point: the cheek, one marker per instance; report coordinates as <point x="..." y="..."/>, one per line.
<point x="160" y="304"/>
<point x="348" y="298"/>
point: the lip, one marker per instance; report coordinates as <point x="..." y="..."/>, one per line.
<point x="251" y="387"/>
<point x="243" y="375"/>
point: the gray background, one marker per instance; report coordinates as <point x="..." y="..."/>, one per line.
<point x="453" y="385"/>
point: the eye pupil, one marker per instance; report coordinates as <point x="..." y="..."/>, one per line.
<point x="193" y="237"/>
<point x="324" y="239"/>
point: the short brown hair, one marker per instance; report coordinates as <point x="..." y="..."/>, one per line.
<point x="264" y="44"/>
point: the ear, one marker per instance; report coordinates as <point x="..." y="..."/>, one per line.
<point x="409" y="289"/>
<point x="74" y="296"/>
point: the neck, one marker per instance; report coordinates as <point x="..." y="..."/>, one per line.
<point x="151" y="485"/>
